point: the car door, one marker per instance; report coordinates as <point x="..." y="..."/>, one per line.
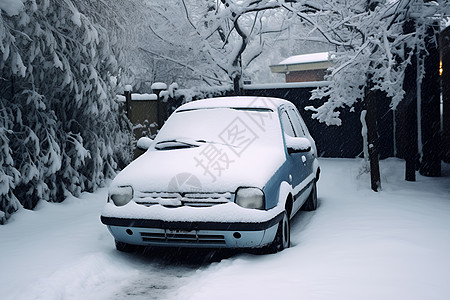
<point x="300" y="163"/>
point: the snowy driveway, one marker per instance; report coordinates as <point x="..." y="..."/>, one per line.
<point x="357" y="245"/>
<point x="62" y="251"/>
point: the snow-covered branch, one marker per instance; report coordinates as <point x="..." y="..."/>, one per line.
<point x="369" y="44"/>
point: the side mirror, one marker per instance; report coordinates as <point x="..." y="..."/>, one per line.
<point x="144" y="143"/>
<point x="297" y="144"/>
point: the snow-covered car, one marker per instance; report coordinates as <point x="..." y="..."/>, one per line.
<point x="224" y="172"/>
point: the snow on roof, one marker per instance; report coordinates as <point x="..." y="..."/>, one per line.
<point x="304" y="62"/>
<point x="159" y="86"/>
<point x="234" y="102"/>
<point x="144" y="97"/>
<point x="306" y="58"/>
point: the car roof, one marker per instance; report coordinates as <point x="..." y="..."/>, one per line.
<point x="244" y="102"/>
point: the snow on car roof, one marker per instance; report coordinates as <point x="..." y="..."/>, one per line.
<point x="234" y="102"/>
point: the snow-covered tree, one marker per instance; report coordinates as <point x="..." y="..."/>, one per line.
<point x="197" y="43"/>
<point x="372" y="52"/>
<point x="214" y="42"/>
<point x="59" y="121"/>
<point x="173" y="52"/>
<point x="371" y="48"/>
<point x="233" y="33"/>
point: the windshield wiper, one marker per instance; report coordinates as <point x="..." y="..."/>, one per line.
<point x="177" y="144"/>
<point x="185" y="143"/>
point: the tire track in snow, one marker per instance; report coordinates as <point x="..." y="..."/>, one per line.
<point x="162" y="270"/>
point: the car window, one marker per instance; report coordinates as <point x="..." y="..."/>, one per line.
<point x="295" y="120"/>
<point x="287" y="126"/>
<point x="305" y="128"/>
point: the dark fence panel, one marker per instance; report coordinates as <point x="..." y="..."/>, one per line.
<point x="445" y="81"/>
<point x="337" y="141"/>
<point x="331" y="141"/>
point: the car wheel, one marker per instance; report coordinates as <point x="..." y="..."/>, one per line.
<point x="311" y="203"/>
<point x="283" y="237"/>
<point x="124" y="247"/>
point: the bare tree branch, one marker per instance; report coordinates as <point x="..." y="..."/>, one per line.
<point x="198" y="72"/>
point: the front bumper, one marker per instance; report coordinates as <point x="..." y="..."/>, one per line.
<point x="148" y="232"/>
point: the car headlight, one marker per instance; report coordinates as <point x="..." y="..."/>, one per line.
<point x="250" y="197"/>
<point x="121" y="195"/>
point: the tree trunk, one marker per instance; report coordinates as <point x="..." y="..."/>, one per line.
<point x="237" y="85"/>
<point x="430" y="97"/>
<point x="410" y="99"/>
<point x="372" y="136"/>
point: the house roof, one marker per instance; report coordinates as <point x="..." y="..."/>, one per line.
<point x="313" y="61"/>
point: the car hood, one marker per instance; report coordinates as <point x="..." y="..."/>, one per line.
<point x="209" y="167"/>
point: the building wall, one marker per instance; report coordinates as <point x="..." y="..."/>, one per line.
<point x="304" y="76"/>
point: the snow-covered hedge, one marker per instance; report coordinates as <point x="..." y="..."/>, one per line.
<point x="60" y="130"/>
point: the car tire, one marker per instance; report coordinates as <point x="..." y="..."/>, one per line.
<point x="124" y="247"/>
<point x="311" y="203"/>
<point x="283" y="236"/>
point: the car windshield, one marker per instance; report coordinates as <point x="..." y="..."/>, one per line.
<point x="235" y="127"/>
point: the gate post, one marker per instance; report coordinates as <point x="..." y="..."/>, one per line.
<point x="157" y="88"/>
<point x="127" y="94"/>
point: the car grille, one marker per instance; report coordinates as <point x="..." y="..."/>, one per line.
<point x="167" y="237"/>
<point x="168" y="199"/>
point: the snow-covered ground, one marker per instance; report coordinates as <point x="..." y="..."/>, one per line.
<point x="358" y="245"/>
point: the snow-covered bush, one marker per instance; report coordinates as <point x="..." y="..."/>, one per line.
<point x="60" y="128"/>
